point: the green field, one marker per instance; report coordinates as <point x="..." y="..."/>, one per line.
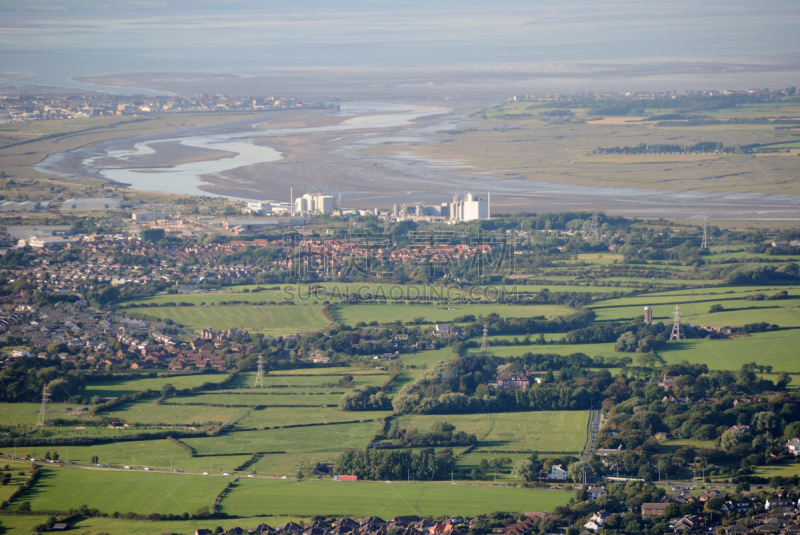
<point x="109" y="491"/>
<point x="264" y="496"/>
<point x="274" y="320"/>
<point x="777" y="349"/>
<point x="782" y="312"/>
<point x="283" y="416"/>
<point x="130" y="384"/>
<point x="270" y="398"/>
<point x="320" y="381"/>
<point x="23" y="525"/>
<point x="319" y="438"/>
<point x="158" y="454"/>
<point x="16" y="480"/>
<point x="389" y="313"/>
<point x="28" y="413"/>
<point x="150" y="412"/>
<point x="553" y="431"/>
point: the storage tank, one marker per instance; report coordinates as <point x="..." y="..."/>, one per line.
<point x="648" y="315"/>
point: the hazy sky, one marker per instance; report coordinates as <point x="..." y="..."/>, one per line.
<point x="60" y="40"/>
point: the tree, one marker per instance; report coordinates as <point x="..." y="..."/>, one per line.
<point x="167" y="390"/>
<point x="152" y="235"/>
<point x="765" y="421"/>
<point x="525" y="470"/>
<point x="730" y="440"/>
<point x="577" y="470"/>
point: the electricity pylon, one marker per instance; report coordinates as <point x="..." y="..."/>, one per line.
<point x="43" y="420"/>
<point x="485" y="343"/>
<point x="595" y="230"/>
<point x="677" y="330"/>
<point x="704" y="244"/>
<point x="260" y="375"/>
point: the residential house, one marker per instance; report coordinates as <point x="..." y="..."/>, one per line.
<point x="557" y="472"/>
<point x="511" y="381"/>
<point x="597" y="521"/>
<point x="596" y="492"/>
<point x="774" y="503"/>
<point x="654" y="509"/>
<point x="793" y="446"/>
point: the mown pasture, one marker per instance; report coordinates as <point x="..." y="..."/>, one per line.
<point x="268" y="319"/>
<point x="318" y="438"/>
<point x="436" y="313"/>
<point x="384" y="499"/>
<point x="59" y="489"/>
<point x="551" y="432"/>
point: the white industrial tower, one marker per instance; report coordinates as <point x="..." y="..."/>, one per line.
<point x="43" y="420"/>
<point x="485" y="343"/>
<point x="260" y="375"/>
<point x="677" y="330"/>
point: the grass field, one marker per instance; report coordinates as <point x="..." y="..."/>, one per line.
<point x="275" y="320"/>
<point x="109" y="491"/>
<point x="352" y="314"/>
<point x="782" y="312"/>
<point x="28" y="413"/>
<point x="158" y="454"/>
<point x="321" y="438"/>
<point x="16" y="480"/>
<point x="264" y="496"/>
<point x="320" y="381"/>
<point x="258" y="397"/>
<point x="127" y="384"/>
<point x="778" y="349"/>
<point x="282" y="416"/>
<point x="150" y="412"/>
<point x="553" y="431"/>
<point x="23" y="525"/>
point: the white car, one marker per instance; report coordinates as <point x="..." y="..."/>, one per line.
<point x="147" y="469"/>
<point x="205" y="473"/>
<point x="225" y="474"/>
<point x="250" y="475"/>
<point x="127" y="467"/>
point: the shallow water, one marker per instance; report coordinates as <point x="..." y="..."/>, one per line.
<point x="187" y="179"/>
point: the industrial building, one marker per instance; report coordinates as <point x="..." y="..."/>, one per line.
<point x="245" y="226"/>
<point x="314" y="204"/>
<point x="91" y="205"/>
<point x="14" y="206"/>
<point x="469" y="208"/>
<point x="148" y="217"/>
<point x="43" y="231"/>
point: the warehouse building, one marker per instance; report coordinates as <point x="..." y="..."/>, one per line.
<point x="91" y="205"/>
